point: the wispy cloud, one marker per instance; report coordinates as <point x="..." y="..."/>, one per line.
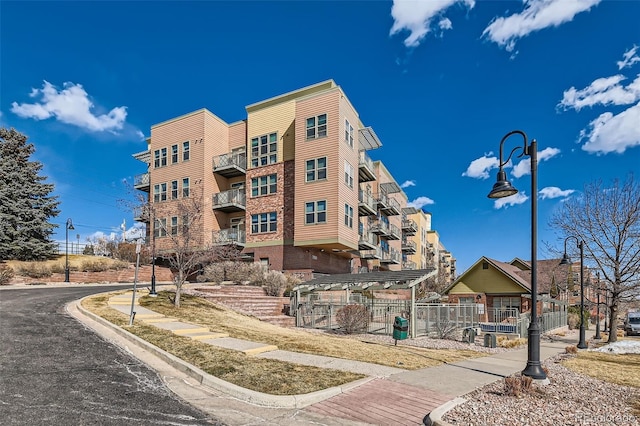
<point x="408" y="183"/>
<point x="71" y="105"/>
<point x="480" y="167"/>
<point x="629" y="58"/>
<point x="422" y="17"/>
<point x="512" y="200"/>
<point x="554" y="192"/>
<point x="537" y="15"/>
<point x="524" y="167"/>
<point x="609" y="132"/>
<point x="420" y="202"/>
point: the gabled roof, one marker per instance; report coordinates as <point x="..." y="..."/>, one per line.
<point x="384" y="280"/>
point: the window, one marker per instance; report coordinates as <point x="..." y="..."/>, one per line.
<point x="174" y="225"/>
<point x="466" y="300"/>
<point x="384" y="245"/>
<point x="159" y="192"/>
<point x="264" y="222"/>
<point x="185" y="224"/>
<point x="185" y="188"/>
<point x="160" y="157"/>
<point x="264" y="185"/>
<point x="317" y="127"/>
<point x="348" y="174"/>
<point x="316" y="169"/>
<point x="264" y="150"/>
<point x="348" y="133"/>
<point x="160" y="228"/>
<point x="156" y="158"/>
<point x="348" y="215"/>
<point x="185" y="151"/>
<point x="315" y="212"/>
<point x="174" y="189"/>
<point x="163" y="157"/>
<point x="174" y="154"/>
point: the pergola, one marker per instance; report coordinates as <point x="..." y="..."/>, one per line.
<point x="383" y="280"/>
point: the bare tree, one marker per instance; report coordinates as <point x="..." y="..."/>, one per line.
<point x="607" y="219"/>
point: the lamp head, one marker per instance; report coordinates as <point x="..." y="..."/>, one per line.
<point x="70" y="224"/>
<point x="565" y="260"/>
<point x="502" y="188"/>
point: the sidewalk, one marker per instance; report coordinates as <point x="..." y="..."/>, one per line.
<point x="388" y="396"/>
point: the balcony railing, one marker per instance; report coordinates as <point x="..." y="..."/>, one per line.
<point x="394" y="232"/>
<point x="379" y="227"/>
<point x="142" y="182"/>
<point x="407" y="264"/>
<point x="366" y="171"/>
<point x="366" y="204"/>
<point x="234" y="200"/>
<point x="140" y="214"/>
<point x="229" y="236"/>
<point x="408" y="246"/>
<point x="231" y="164"/>
<point x="367" y="241"/>
<point x="371" y="254"/>
<point x="391" y="256"/>
<point x="409" y="227"/>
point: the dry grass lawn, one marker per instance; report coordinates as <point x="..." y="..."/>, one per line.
<point x="76" y="261"/>
<point x="621" y="369"/>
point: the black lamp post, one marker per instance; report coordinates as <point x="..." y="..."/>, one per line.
<point x="503" y="188"/>
<point x="567" y="261"/>
<point x="68" y="226"/>
<point x="153" y="255"/>
<point x="599" y="289"/>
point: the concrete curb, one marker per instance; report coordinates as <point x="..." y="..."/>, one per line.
<point x="434" y="418"/>
<point x="246" y="395"/>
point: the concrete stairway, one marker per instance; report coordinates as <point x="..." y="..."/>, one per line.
<point x="250" y="300"/>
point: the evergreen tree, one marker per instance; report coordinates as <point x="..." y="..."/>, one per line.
<point x="26" y="203"/>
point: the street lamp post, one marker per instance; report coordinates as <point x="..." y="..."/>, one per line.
<point x="567" y="261"/>
<point x="599" y="289"/>
<point x="153" y="293"/>
<point x="503" y="188"/>
<point x="68" y="226"/>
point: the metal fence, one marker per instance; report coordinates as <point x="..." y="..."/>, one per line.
<point x="437" y="319"/>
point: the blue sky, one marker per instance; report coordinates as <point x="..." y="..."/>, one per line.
<point x="441" y="82"/>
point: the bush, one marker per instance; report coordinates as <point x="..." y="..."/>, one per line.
<point x="571" y="349"/>
<point x="94" y="266"/>
<point x="575" y="310"/>
<point x="353" y="318"/>
<point x="573" y="321"/>
<point x="517" y="385"/>
<point x="34" y="270"/>
<point x="238" y="272"/>
<point x="6" y="274"/>
<point x="273" y="283"/>
<point x="505" y="342"/>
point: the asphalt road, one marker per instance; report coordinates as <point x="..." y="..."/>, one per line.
<point x="55" y="371"/>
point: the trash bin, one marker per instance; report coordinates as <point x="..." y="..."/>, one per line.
<point x="469" y="335"/>
<point x="490" y="340"/>
<point x="400" y="328"/>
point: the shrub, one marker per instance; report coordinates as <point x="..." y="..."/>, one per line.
<point x="353" y="318"/>
<point x="6" y="274"/>
<point x="57" y="268"/>
<point x="273" y="282"/>
<point x="505" y="342"/>
<point x="573" y="321"/>
<point x="34" y="270"/>
<point x="238" y="272"/>
<point x="94" y="266"/>
<point x="517" y="385"/>
<point x="571" y="349"/>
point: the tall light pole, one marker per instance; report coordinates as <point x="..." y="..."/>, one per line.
<point x="503" y="188"/>
<point x="68" y="226"/>
<point x="599" y="289"/>
<point x="567" y="261"/>
<point x="153" y="293"/>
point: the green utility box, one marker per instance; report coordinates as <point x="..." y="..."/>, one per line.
<point x="400" y="328"/>
<point x="490" y="340"/>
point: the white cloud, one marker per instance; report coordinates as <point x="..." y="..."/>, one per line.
<point x="420" y="202"/>
<point x="480" y="167"/>
<point x="537" y="15"/>
<point x="408" y="183"/>
<point x="445" y="24"/>
<point x="512" y="200"/>
<point x="524" y="167"/>
<point x="629" y="58"/>
<point x="555" y="192"/>
<point x="141" y="135"/>
<point x="417" y="17"/>
<point x="70" y="105"/>
<point x="603" y="91"/>
<point x="613" y="133"/>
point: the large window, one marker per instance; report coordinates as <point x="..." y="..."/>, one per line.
<point x="317" y="126"/>
<point x="160" y="228"/>
<point x="264" y="185"/>
<point x="160" y="157"/>
<point x="348" y="133"/>
<point x="348" y="174"/>
<point x="316" y="169"/>
<point x="174" y="154"/>
<point x="174" y="189"/>
<point x="315" y="212"/>
<point x="159" y="192"/>
<point x="348" y="215"/>
<point x="174" y="225"/>
<point x="185" y="151"/>
<point x="185" y="188"/>
<point x="264" y="222"/>
<point x="264" y="150"/>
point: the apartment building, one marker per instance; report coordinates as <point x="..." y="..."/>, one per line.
<point x="292" y="184"/>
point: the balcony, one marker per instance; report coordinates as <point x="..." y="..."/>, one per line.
<point x="379" y="227"/>
<point x="366" y="171"/>
<point x="230" y="165"/>
<point x="231" y="201"/>
<point x="392" y="207"/>
<point x="391" y="256"/>
<point x="367" y="241"/>
<point x="142" y="182"/>
<point x="394" y="233"/>
<point x="407" y="264"/>
<point x="229" y="236"/>
<point x="408" y="247"/>
<point x="409" y="227"/>
<point x="140" y="214"/>
<point x="366" y="204"/>
<point x="371" y="254"/>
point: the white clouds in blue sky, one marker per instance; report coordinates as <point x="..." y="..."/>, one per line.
<point x="555" y="192"/>
<point x="420" y="202"/>
<point x="629" y="58"/>
<point x="408" y="183"/>
<point x="514" y="200"/>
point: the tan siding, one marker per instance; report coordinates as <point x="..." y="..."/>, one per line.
<point x="348" y="195"/>
<point x="277" y="118"/>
